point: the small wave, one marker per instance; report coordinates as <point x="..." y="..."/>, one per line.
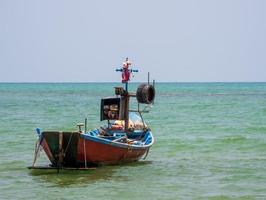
<point x="256" y="129"/>
<point x="237" y="138"/>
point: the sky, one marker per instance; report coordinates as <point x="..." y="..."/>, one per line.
<point x="174" y="40"/>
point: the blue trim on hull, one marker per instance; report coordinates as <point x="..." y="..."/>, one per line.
<point x="145" y="143"/>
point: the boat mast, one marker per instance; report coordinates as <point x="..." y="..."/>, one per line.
<point x="126" y="100"/>
<point x="126" y="72"/>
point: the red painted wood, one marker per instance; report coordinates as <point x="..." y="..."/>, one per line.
<point x="105" y="153"/>
<point x="98" y="153"/>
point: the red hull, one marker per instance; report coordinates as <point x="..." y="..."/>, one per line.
<point x="99" y="153"/>
<point x="76" y="148"/>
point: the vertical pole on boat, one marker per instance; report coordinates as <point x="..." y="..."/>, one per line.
<point x="84" y="144"/>
<point x="60" y="151"/>
<point x="85" y="153"/>
<point x="85" y="131"/>
<point x="126" y="106"/>
<point x="148" y="77"/>
<point x="127" y="112"/>
<point x="153" y="84"/>
<point x="126" y="87"/>
<point x="126" y="97"/>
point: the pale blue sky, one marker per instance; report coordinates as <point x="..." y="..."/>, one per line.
<point x="83" y="41"/>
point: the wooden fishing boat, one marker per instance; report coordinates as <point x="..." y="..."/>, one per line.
<point x="125" y="137"/>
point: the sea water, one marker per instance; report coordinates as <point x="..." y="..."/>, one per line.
<point x="210" y="142"/>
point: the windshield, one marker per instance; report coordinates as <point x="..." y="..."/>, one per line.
<point x="134" y="122"/>
<point x="134" y="117"/>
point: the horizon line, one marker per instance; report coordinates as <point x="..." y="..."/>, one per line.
<point x="59" y="82"/>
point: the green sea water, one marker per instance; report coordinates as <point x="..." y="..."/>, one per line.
<point x="210" y="142"/>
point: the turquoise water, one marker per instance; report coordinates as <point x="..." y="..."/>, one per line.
<point x="210" y="142"/>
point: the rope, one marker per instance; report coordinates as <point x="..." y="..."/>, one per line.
<point x="85" y="154"/>
<point x="35" y="153"/>
<point x="37" y="150"/>
<point x="69" y="142"/>
<point x="147" y="152"/>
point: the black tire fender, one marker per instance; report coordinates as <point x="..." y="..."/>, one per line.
<point x="145" y="93"/>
